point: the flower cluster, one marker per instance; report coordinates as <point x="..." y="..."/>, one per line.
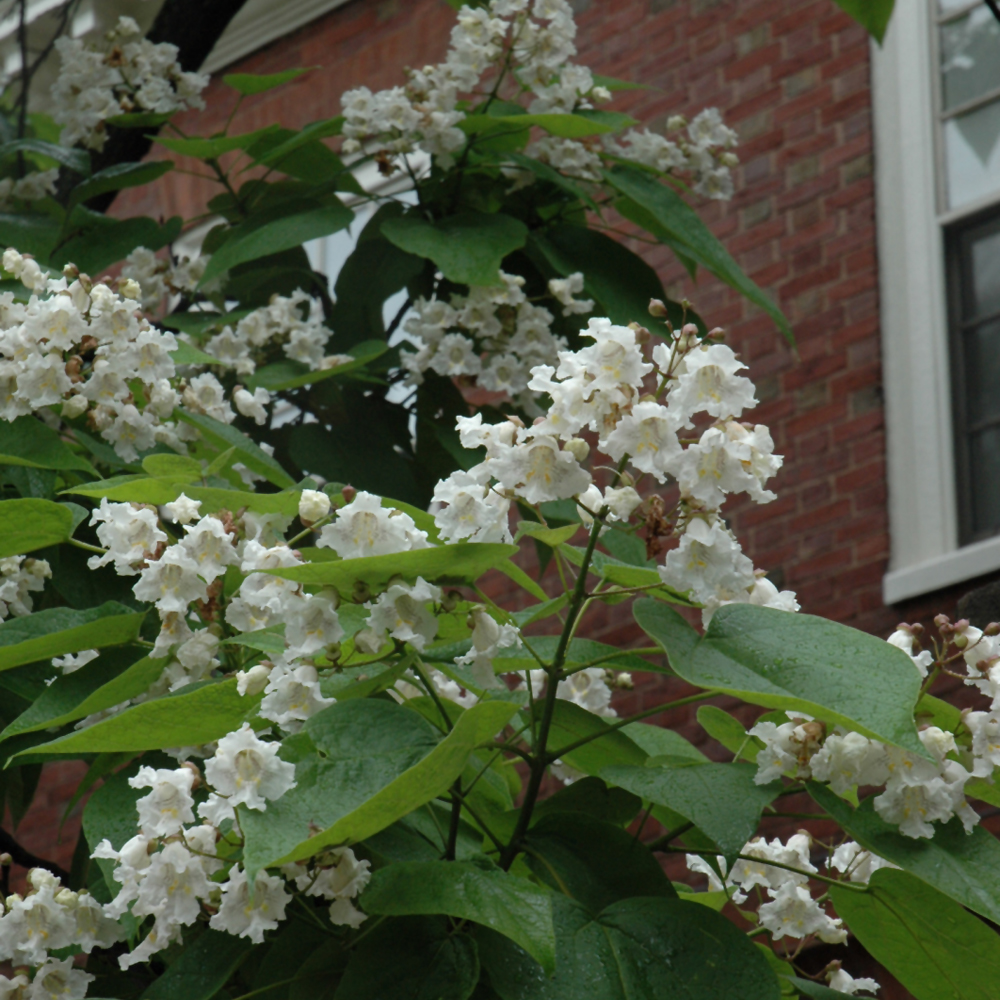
<point x="20" y="576"/>
<point x="494" y="335"/>
<point x="600" y="389"/>
<point x="160" y="277"/>
<point x="127" y="74"/>
<point x="534" y="41"/>
<point x="81" y="346"/>
<point x="166" y="870"/>
<point x="33" y="186"/>
<point x="49" y="918"/>
<point x="918" y="791"/>
<point x="790" y="910"/>
<point x="293" y="323"/>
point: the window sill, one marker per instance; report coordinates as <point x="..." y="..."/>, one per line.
<point x="942" y="571"/>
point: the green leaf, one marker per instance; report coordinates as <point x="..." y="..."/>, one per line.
<point x="278" y="153"/>
<point x="411" y="959"/>
<point x="183" y="719"/>
<point x="100" y="241"/>
<point x="57" y="631"/>
<point x="963" y="866"/>
<point x="113" y="678"/>
<point x="546" y="173"/>
<point x="720" y="799"/>
<point x="213" y="499"/>
<point x="636" y="949"/>
<point x="26" y="525"/>
<point x="613" y="84"/>
<point x="67" y="156"/>
<point x="548" y="536"/>
<point x="187" y="354"/>
<point x="729" y="732"/>
<point x="592" y="861"/>
<point x="872" y="15"/>
<point x="797" y="662"/>
<point x="173" y="466"/>
<point x="564" y="126"/>
<point x="27" y="441"/>
<point x="257" y="83"/>
<point x="225" y="436"/>
<point x="445" y="564"/>
<point x="927" y="941"/>
<point x="468" y="248"/>
<point x="201" y="969"/>
<point x="620" y="281"/>
<point x="578" y="653"/>
<point x="209" y="149"/>
<point x="810" y="989"/>
<point x="682" y="224"/>
<point x="117" y="177"/>
<point x="289" y="375"/>
<point x="379" y="762"/>
<point x="469" y="890"/>
<point x="658" y="741"/>
<point x="282" y="227"/>
<point x="134" y="489"/>
<point x="31" y="233"/>
<point x="571" y="723"/>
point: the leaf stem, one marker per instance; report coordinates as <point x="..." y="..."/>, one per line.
<point x="86" y="547"/>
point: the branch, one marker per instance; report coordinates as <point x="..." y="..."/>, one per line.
<point x="26" y="859"/>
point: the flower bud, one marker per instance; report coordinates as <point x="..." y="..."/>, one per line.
<point x="992" y="629"/>
<point x="349" y="493"/>
<point x="191" y="766"/>
<point x="313" y="506"/>
<point x="254" y="680"/>
<point x="657" y="308"/>
<point x="75" y="406"/>
<point x="578" y="448"/>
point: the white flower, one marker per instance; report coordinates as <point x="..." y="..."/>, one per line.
<point x="343" y="913"/>
<point x="13" y="989"/>
<point x="538" y="470"/>
<point x="589" y="689"/>
<point x="57" y="980"/>
<point x="248" y="771"/>
<point x="183" y="510"/>
<point x="35" y="925"/>
<point x="563" y="290"/>
<point x="707" y="382"/>
<point x="747" y="873"/>
<point x="903" y="639"/>
<point x="166" y="809"/>
<point x="341" y="876"/>
<point x="787" y="749"/>
<point x="254" y="680"/>
<point x="313" y="506"/>
<point x="365" y="528"/>
<point x="488" y="636"/>
<point x="473" y="509"/>
<point x="648" y="435"/>
<point x="312" y="625"/>
<point x="856" y="862"/>
<point x="844" y="982"/>
<point x="848" y="760"/>
<point x="129" y="533"/>
<point x="794" y="913"/>
<point x="241" y="916"/>
<point x="210" y="546"/>
<point x="402" y="612"/>
<point x="621" y="502"/>
<point x="292" y="695"/>
<point x="766" y="595"/>
<point x="253" y="405"/>
<point x="72" y="662"/>
<point x="171" y="582"/>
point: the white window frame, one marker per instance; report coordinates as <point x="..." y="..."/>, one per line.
<point x="923" y="517"/>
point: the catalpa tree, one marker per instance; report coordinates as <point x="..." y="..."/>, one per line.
<point x="247" y="529"/>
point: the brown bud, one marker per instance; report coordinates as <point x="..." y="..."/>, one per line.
<point x="349" y="493"/>
<point x="191" y="766"/>
<point x="657" y="308"/>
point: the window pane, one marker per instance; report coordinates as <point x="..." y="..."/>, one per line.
<point x="970" y="57"/>
<point x="985" y="481"/>
<point x="972" y="148"/>
<point x="982" y="373"/>
<point x="986" y="275"/>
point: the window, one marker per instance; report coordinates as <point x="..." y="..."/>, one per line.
<point x="936" y="102"/>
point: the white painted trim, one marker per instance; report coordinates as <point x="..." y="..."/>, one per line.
<point x="942" y="571"/>
<point x="922" y="511"/>
<point x="261" y="22"/>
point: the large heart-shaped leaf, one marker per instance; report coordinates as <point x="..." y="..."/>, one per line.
<point x="720" y="799"/>
<point x="29" y="524"/>
<point x="636" y="949"/>
<point x="936" y="949"/>
<point x="27" y="441"/>
<point x="468" y="247"/>
<point x="377" y="762"/>
<point x="470" y="890"/>
<point x="795" y="662"/>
